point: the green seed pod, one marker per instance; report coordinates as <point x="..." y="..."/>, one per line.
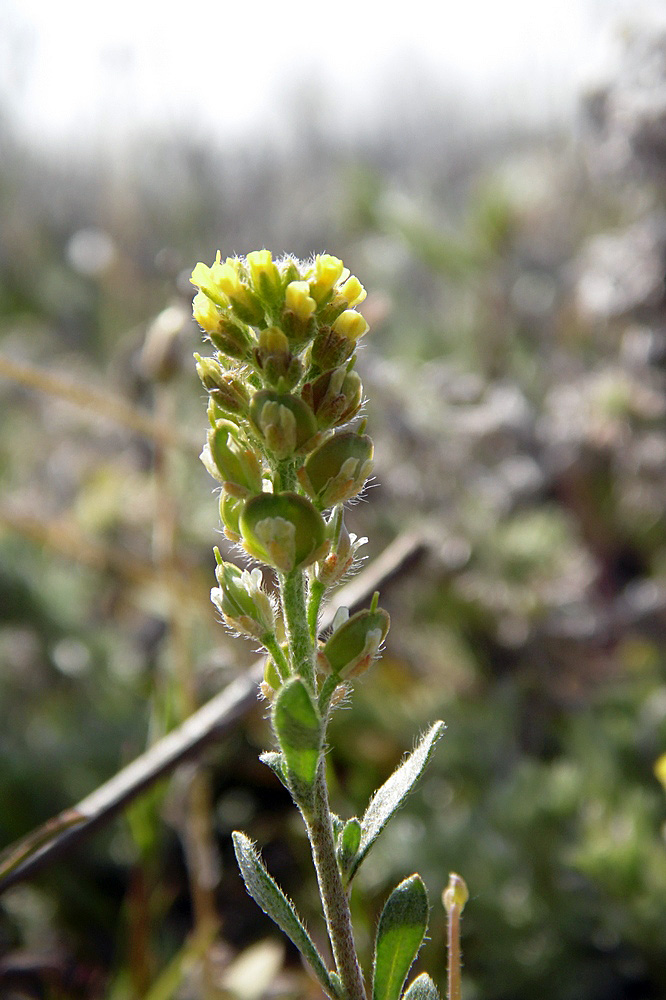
<point x="230" y="511"/>
<point x="336" y="397"/>
<point x="241" y="600"/>
<point x="284" y="421"/>
<point x="283" y="530"/>
<point x="230" y="461"/>
<point x="355" y="644"/>
<point x="338" y="469"/>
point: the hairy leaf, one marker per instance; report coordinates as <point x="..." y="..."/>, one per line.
<point x="421" y="988"/>
<point x="402" y="927"/>
<point x="268" y="895"/>
<point x="388" y="799"/>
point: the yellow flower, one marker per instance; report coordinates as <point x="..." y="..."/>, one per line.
<point x="350" y="325"/>
<point x="328" y="270"/>
<point x="204" y="278"/>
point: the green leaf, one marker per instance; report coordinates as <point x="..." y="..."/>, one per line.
<point x="299" y="732"/>
<point x="421" y="988"/>
<point x="268" y="895"/>
<point x="350" y="838"/>
<point x="402" y="927"/>
<point x="388" y="799"/>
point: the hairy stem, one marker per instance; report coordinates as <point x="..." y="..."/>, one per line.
<point x="332" y="892"/>
<point x="301" y="649"/>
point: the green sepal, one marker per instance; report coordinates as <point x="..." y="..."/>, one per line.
<point x="421" y="988"/>
<point x="348" y="844"/>
<point x="298" y="728"/>
<point x="268" y="895"/>
<point x="387" y="800"/>
<point x="402" y="928"/>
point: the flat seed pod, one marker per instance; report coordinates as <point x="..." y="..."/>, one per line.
<point x="283" y="530"/>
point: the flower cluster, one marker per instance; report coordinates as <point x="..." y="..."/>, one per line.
<point x="283" y="391"/>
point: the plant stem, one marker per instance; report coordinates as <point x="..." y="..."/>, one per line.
<point x="454" y="898"/>
<point x="332" y="892"/>
<point x="301" y="650"/>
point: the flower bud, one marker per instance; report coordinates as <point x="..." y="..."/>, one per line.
<point x="242" y="602"/>
<point x="227" y="391"/>
<point x="209" y="371"/>
<point x="283" y="530"/>
<point x="327" y="272"/>
<point x="230" y="511"/>
<point x="353" y="291"/>
<point x="230" y="462"/>
<point x="350" y="324"/>
<point x="232" y="338"/>
<point x="456" y="893"/>
<point x="338" y="469"/>
<point x="206" y="313"/>
<point x="330" y="349"/>
<point x="264" y="275"/>
<point x="336" y="397"/>
<point x="273" y="355"/>
<point x="355" y="643"/>
<point x="284" y="421"/>
<point x="297" y="299"/>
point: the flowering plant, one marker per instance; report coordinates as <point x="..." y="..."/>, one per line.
<point x="286" y="445"/>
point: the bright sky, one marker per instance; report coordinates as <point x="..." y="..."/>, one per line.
<point x="76" y="67"/>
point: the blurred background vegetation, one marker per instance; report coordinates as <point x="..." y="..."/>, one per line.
<point x="516" y="377"/>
